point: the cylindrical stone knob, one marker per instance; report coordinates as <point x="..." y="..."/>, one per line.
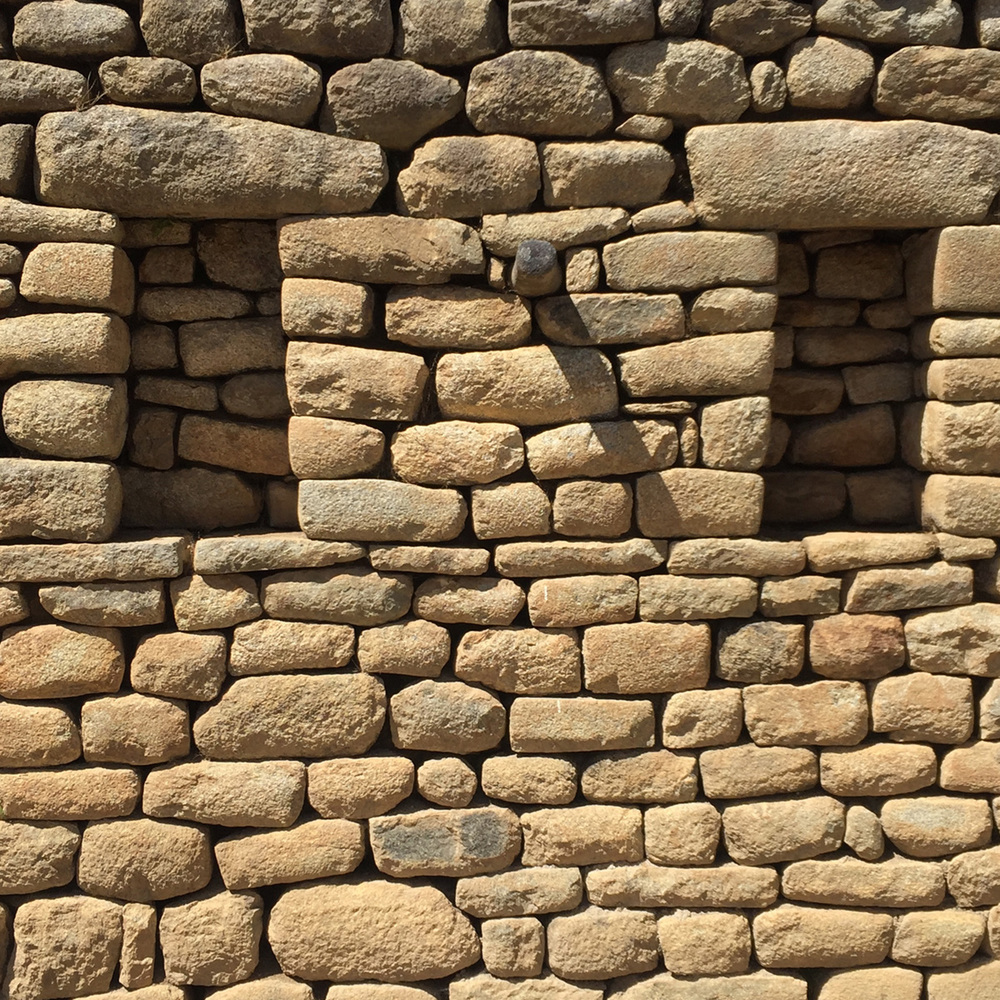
<point x="536" y="269"/>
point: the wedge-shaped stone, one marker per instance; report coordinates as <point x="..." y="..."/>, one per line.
<point x="895" y="588"/>
<point x="646" y="657"/>
<point x="64" y="344"/>
<point x="456" y="316"/>
<point x="728" y="364"/>
<point x="689" y="79"/>
<point x="36" y="856"/>
<point x="449" y="843"/>
<point x="841" y="174"/>
<point x="566" y="558"/>
<point x="351" y="596"/>
<point x="527" y="385"/>
<point x="54" y="661"/>
<point x="760" y="833"/>
<point x="446" y="717"/>
<point x="222" y="167"/>
<point x="383" y="249"/>
<point x="699" y="502"/>
<point x="573" y="725"/>
<point x="936" y="825"/>
<point x="602" y="448"/>
<point x="722" y="886"/>
<point x="142" y="859"/>
<point x="824" y="713"/>
<point x="520" y="660"/>
<point x="292" y="715"/>
<point x="333" y="380"/>
<point x="685" y="598"/>
<point x="959" y="641"/>
<point x="318" y="848"/>
<point x="685" y="262"/>
<point x="370" y="930"/>
<point x="877" y="770"/>
<point x="743" y="771"/>
<point x="895" y="882"/>
<point x="371" y="510"/>
<point x="521" y="892"/>
<point x="791" y="936"/>
<point x="502" y="234"/>
<point x="227" y="794"/>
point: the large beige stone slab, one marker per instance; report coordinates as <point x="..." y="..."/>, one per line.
<point x="547" y="987"/>
<point x="841" y="174"/>
<point x="699" y="502"/>
<point x="64" y="344"/>
<point x="760" y="833"/>
<point x="602" y="448"/>
<point x="896" y="882"/>
<point x="574" y="725"/>
<point x="791" y="936"/>
<point x="571" y="558"/>
<point x="37" y="736"/>
<point x="36" y="856"/>
<point x="456" y="452"/>
<point x="961" y="641"/>
<point x="370" y="930"/>
<point x="823" y="713"/>
<point x="520" y="660"/>
<point x="384" y="249"/>
<point x="446" y="717"/>
<point x="747" y="770"/>
<point x="646" y="657"/>
<point x="351" y="596"/>
<point x="220" y="167"/>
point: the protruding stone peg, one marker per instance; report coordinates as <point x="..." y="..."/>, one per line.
<point x="536" y="268"/>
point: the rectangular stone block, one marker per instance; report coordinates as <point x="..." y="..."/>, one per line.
<point x="147" y="559"/>
<point x="684" y="598"/>
<point x="64" y="344"/>
<point x="575" y="725"/>
<point x="570" y="558"/>
<point x="961" y="380"/>
<point x="86" y="275"/>
<point x="24" y="222"/>
<point x="897" y="588"/>
<point x="823" y="713"/>
<point x="955" y="270"/>
<point x="684" y="262"/>
<point x="726" y="886"/>
<point x="962" y="505"/>
<point x="646" y="657"/>
<point x="314" y="307"/>
<point x="689" y="503"/>
<point x="582" y="835"/>
<point x="956" y="337"/>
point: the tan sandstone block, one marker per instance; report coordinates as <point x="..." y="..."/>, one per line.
<point x="948" y="937"/>
<point x="895" y="882"/>
<point x="73" y="793"/>
<point x="483" y="600"/>
<point x="37" y="736"/>
<point x="314" y="849"/>
<point x="877" y="770"/>
<point x="703" y="718"/>
<point x="856" y="647"/>
<point x="134" y="729"/>
<point x="446" y="717"/>
<point x="529" y="780"/>
<point x="36" y="856"/>
<point x="573" y="725"/>
<point x="356" y="789"/>
<point x="700" y="944"/>
<point x="521" y="660"/>
<point x="735" y="556"/>
<point x="893" y="983"/>
<point x="760" y="652"/>
<point x="974" y="877"/>
<point x="456" y="452"/>
<point x="513" y="946"/>
<point x="646" y="657"/>
<point x="582" y="600"/>
<point x="319" y="448"/>
<point x="971" y="768"/>
<point x="766" y="832"/>
<point x="570" y="558"/>
<point x="961" y="640"/>
<point x="142" y="860"/>
<point x="665" y="597"/>
<point x="655" y="776"/>
<point x="792" y="936"/>
<point x="520" y="892"/>
<point x="581" y="835"/>
<point x="698" y="502"/>
<point x="271" y="646"/>
<point x="602" y="448"/>
<point x="351" y="595"/>
<point x="107" y="605"/>
<point x="923" y="707"/>
<point x="89" y="275"/>
<point x="139" y="950"/>
<point x="213" y="602"/>
<point x="180" y="665"/>
<point x="312" y="307"/>
<point x="591" y="509"/>
<point x="749" y="770"/>
<point x="599" y="944"/>
<point x="414" y="648"/>
<point x="292" y="715"/>
<point x="800" y="595"/>
<point x="447" y="781"/>
<point x="827" y="713"/>
<point x="936" y="825"/>
<point x="211" y="940"/>
<point x="683" y="834"/>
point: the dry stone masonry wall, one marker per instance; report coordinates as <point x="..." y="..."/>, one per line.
<point x="498" y="501"/>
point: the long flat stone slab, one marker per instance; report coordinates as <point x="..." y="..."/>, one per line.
<point x="116" y="159"/>
<point x="165" y="557"/>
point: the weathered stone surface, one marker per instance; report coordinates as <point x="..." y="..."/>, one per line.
<point x="962" y="505"/>
<point x="210" y="602"/>
<point x="656" y="776"/>
<point x="601" y="448"/>
<point x="191" y="32"/>
<point x="144" y="80"/>
<point x="703" y="718"/>
<point x="211" y="940"/>
<point x="502" y="234"/>
<point x="611" y="318"/>
<point x="66" y="945"/>
<point x="686" y="598"/>
<point x="315" y="849"/>
<point x="757" y="985"/>
<point x="357" y="789"/>
<point x="138" y="956"/>
<point x="510" y="510"/>
<point x="452" y="843"/>
<point x="738" y="556"/>
<point x="37" y="856"/>
<point x="538" y="93"/>
<point x="271" y="87"/>
<point x="792" y="936"/>
<point x="252" y="552"/>
<point x="106" y="604"/>
<point x="217" y="172"/>
<point x="379" y="511"/>
<point x="937" y="939"/>
<point x="254" y="720"/>
<point x="134" y="729"/>
<point x="760" y="652"/>
<point x="748" y="770"/>
<point x="914" y="22"/>
<point x="936" y="825"/>
<point x="529" y="780"/>
<point x="456" y="452"/>
<point x="526" y="385"/>
<point x="87" y="275"/>
<point x="344" y="29"/>
<point x="944" y="437"/>
<point x="683" y="834"/>
<point x="520" y="892"/>
<point x="450" y="34"/>
<point x="687" y="79"/>
<point x="460" y="176"/>
<point x="895" y="882"/>
<point x="271" y="646"/>
<point x="414" y="648"/>
<point x="645" y="884"/>
<point x="268" y="794"/>
<point x="826" y="72"/>
<point x="920" y="706"/>
<point x="447" y="717"/>
<point x="370" y="930"/>
<point x="877" y="770"/>
<point x="31" y="87"/>
<point x="552" y="23"/>
<point x="699" y="502"/>
<point x="893" y="588"/>
<point x="834" y="551"/>
<point x="520" y="660"/>
<point x="514" y="946"/>
<point x="705" y="943"/>
<point x="588" y="509"/>
<point x="447" y="781"/>
<point x="332" y="449"/>
<point x="903" y="174"/>
<point x="384" y="249"/>
<point x="582" y="600"/>
<point x="354" y="595"/>
<point x="566" y="725"/>
<point x="827" y="440"/>
<point x="823" y="713"/>
<point x="142" y="859"/>
<point x="582" y="835"/>
<point x="977" y="976"/>
<point x="759" y="833"/>
<point x="199" y="499"/>
<point x="46" y="661"/>
<point x="597" y="943"/>
<point x="950" y="337"/>
<point x="180" y="665"/>
<point x="972" y="877"/>
<point x="602" y="173"/>
<point x="646" y="657"/>
<point x="757" y="28"/>
<point x="315" y="307"/>
<point x="24" y="222"/>
<point x="960" y="641"/>
<point x="971" y="768"/>
<point x="37" y="736"/>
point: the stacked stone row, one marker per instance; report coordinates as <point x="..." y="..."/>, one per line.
<point x="600" y="794"/>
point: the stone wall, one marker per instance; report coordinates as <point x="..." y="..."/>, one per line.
<point x="498" y="501"/>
